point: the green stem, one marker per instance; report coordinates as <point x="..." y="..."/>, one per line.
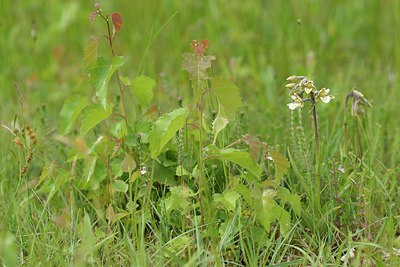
<point x="201" y="179"/>
<point x="345" y="124"/>
<point x="360" y="150"/>
<point x="121" y="91"/>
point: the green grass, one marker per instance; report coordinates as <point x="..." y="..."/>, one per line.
<point x="63" y="221"/>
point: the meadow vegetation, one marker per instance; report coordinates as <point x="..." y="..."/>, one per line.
<point x="200" y="133"/>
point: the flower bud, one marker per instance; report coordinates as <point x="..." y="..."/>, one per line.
<point x="290" y="85"/>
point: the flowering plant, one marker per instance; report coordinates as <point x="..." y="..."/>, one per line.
<point x="300" y="85"/>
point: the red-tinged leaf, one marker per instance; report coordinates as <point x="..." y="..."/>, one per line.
<point x="116" y="19"/>
<point x="254" y="146"/>
<point x="281" y="164"/>
<point x="152" y="110"/>
<point x="197" y="67"/>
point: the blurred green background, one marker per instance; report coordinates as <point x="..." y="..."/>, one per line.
<point x="340" y="44"/>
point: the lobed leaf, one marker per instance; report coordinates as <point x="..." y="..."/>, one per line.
<point x="93" y="115"/>
<point x="197" y="66"/>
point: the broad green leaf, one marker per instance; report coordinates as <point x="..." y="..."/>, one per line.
<point x="242" y="159"/>
<point x="101" y="74"/>
<point x="231" y="197"/>
<point x="143" y="89"/>
<point x="164" y="129"/>
<point x="94" y="172"/>
<point x="229" y="102"/>
<point x="55" y="180"/>
<point x="245" y="192"/>
<point x="178" y="244"/>
<point x="119" y="130"/>
<point x="179" y="199"/>
<point x="293" y="199"/>
<point x="73" y="106"/>
<point x="116" y="170"/>
<point x="120" y="186"/>
<point x="181" y="171"/>
<point x="283" y="217"/>
<point x="228" y="96"/>
<point x="281" y="164"/>
<point x="90" y="52"/>
<point x="263" y="208"/>
<point x="219" y="124"/>
<point x="228" y="199"/>
<point x="197" y="66"/>
<point x="47" y="169"/>
<point x="93" y="115"/>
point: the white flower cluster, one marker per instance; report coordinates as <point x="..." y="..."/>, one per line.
<point x="299" y="85"/>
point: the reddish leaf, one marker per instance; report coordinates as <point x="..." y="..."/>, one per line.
<point x="254" y="145"/>
<point x="116" y="19"/>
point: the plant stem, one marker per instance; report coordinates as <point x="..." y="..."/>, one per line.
<point x="316" y="139"/>
<point x="359" y="139"/>
<point x="201" y="180"/>
<point x="316" y="136"/>
<point x="345" y="124"/>
<point x="121" y="91"/>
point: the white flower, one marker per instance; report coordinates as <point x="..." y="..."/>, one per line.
<point x="323" y="94"/>
<point x="341" y="169"/>
<point x="309" y="87"/>
<point x="143" y="170"/>
<point x="297" y="103"/>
